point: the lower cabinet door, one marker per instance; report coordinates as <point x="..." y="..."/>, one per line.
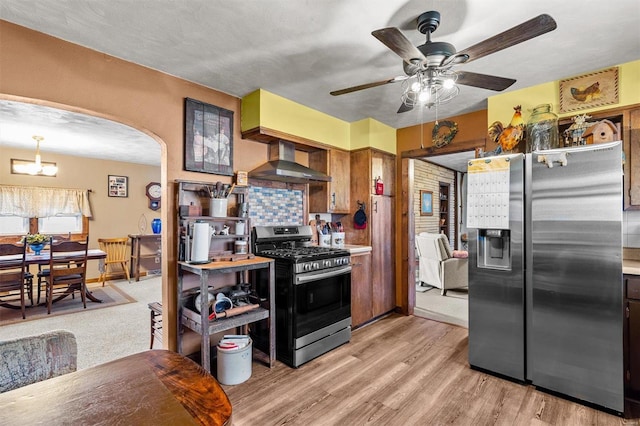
<point x="361" y="294"/>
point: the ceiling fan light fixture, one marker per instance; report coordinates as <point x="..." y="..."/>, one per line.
<point x="448" y="83"/>
<point x="430" y="87"/>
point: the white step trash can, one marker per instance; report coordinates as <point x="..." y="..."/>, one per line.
<point x="234" y="359"/>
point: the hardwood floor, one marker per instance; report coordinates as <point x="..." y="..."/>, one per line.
<point x="399" y="371"/>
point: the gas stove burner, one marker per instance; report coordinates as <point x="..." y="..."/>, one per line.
<point x="302" y="252"/>
<point x="293" y="247"/>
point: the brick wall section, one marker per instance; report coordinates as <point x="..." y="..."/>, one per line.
<point x="427" y="177"/>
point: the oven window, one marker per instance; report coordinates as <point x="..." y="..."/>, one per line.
<point x="321" y="303"/>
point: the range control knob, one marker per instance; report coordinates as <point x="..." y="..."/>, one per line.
<point x="315" y="265"/>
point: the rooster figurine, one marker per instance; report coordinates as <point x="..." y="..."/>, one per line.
<point x="508" y="137"/>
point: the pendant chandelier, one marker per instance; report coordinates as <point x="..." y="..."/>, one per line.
<point x="37" y="167"/>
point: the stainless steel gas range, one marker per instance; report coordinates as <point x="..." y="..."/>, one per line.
<point x="313" y="292"/>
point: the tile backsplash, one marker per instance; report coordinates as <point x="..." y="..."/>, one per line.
<point x="272" y="206"/>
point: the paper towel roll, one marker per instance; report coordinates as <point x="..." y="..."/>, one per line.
<point x="201" y="240"/>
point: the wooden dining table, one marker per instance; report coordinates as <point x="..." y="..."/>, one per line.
<point x="155" y="387"/>
<point x="43" y="259"/>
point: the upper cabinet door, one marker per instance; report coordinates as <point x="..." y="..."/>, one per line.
<point x="632" y="162"/>
<point x="330" y="197"/>
<point x="383" y="166"/>
<point x="627" y="121"/>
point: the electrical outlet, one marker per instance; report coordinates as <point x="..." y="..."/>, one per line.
<point x="157" y="259"/>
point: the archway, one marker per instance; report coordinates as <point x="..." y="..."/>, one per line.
<point x="92" y="130"/>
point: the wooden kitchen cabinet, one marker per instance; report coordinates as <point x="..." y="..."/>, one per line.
<point x="632" y="163"/>
<point x="383" y="165"/>
<point x="361" y="289"/>
<point x="380" y="231"/>
<point x="330" y="197"/>
<point x="632" y="346"/>
<point x="369" y="164"/>
<point x="383" y="254"/>
<point x="627" y="119"/>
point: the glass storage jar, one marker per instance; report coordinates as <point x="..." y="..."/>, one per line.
<point x="542" y="129"/>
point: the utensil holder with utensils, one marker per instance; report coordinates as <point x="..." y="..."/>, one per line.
<point x="218" y="207"/>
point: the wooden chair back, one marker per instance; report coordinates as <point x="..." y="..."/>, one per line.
<point x="116" y="249"/>
<point x="13" y="274"/>
<point x="67" y="269"/>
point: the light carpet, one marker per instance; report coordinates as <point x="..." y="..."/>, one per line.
<point x="106" y="333"/>
<point x="452" y="308"/>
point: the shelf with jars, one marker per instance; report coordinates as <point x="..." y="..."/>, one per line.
<point x="207" y="230"/>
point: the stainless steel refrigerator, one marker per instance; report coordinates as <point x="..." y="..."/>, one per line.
<point x="545" y="270"/>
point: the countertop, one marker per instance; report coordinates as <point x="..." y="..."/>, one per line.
<point x="631" y="267"/>
<point x="356" y="249"/>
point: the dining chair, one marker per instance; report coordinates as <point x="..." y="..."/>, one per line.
<point x="43" y="270"/>
<point x="13" y="275"/>
<point x="67" y="270"/>
<point x="116" y="249"/>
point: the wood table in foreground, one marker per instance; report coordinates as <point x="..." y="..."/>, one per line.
<point x="155" y="387"/>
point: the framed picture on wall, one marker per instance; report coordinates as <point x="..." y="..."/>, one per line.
<point x="118" y="186"/>
<point x="208" y="138"/>
<point x="591" y="90"/>
<point x="426" y="203"/>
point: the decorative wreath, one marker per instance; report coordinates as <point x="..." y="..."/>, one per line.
<point x="440" y="140"/>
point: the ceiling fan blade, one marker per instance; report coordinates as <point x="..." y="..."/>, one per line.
<point x="527" y="30"/>
<point x="404" y="108"/>
<point x="401" y="46"/>
<point x="484" y="81"/>
<point x="368" y="85"/>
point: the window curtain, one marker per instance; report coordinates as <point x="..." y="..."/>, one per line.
<point x="32" y="201"/>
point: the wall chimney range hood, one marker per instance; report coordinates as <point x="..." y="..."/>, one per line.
<point x="282" y="166"/>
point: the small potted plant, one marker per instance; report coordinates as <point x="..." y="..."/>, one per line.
<point x="36" y="242"/>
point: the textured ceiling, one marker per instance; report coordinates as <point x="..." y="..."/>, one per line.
<point x="304" y="49"/>
<point x="72" y="133"/>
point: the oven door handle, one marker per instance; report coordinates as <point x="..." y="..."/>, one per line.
<point x="305" y="278"/>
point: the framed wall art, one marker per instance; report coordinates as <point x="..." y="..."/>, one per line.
<point x="118" y="186"/>
<point x="208" y="138"/>
<point x="589" y="90"/>
<point x="426" y="203"/>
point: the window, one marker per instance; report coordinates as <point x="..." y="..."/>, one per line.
<point x="14" y="225"/>
<point x="60" y="224"/>
<point x="51" y="211"/>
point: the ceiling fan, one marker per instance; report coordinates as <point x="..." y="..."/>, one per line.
<point x="429" y="76"/>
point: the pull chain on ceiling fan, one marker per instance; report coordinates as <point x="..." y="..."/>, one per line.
<point x="429" y="78"/>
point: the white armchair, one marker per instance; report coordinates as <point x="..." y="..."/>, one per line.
<point x="437" y="266"/>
